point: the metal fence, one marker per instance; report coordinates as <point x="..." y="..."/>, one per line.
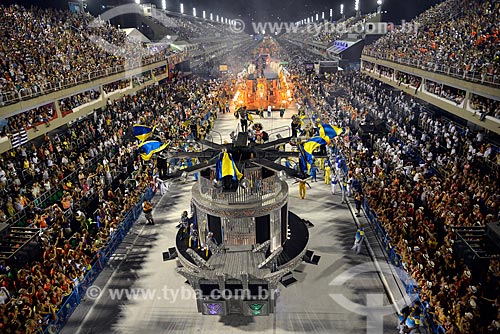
<point x="258" y="190"/>
<point x="411" y="286"/>
<point x="98" y="264"/>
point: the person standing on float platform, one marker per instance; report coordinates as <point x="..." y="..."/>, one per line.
<point x="243" y="119"/>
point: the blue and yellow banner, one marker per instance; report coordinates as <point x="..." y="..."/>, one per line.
<point x="143" y="132"/>
<point x="306" y="151"/>
<point x="225" y="166"/>
<point x="151" y="147"/>
<point x="328" y="132"/>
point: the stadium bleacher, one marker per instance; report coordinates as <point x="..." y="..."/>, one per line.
<point x="456" y="37"/>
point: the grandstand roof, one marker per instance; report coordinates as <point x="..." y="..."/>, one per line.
<point x="136" y="35"/>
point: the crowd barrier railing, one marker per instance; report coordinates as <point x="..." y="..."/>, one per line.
<point x="410" y="285"/>
<point x="97" y="266"/>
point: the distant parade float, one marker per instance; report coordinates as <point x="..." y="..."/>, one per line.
<point x="263" y="83"/>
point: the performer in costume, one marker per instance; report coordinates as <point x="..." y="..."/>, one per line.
<point x="358" y="239"/>
<point x="193" y="237"/>
<point x="314" y="172"/>
<point x="183" y="224"/>
<point x="211" y="244"/>
<point x="334" y="182"/>
<point x="327" y="174"/>
<point x="302" y="188"/>
<point x="202" y="232"/>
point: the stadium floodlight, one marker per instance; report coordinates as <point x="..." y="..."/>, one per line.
<point x="182" y="8"/>
<point x="379" y="2"/>
<point x="138" y="2"/>
<point x="341" y="9"/>
<point x="204" y="15"/>
<point x="211" y="16"/>
<point x="322" y="15"/>
<point x="163" y="4"/>
<point x="331" y="12"/>
<point x="194" y="12"/>
<point x="217" y="18"/>
<point x="356" y="5"/>
<point x="312" y="19"/>
<point x="317" y="16"/>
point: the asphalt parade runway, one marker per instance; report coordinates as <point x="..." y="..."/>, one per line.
<point x="328" y="297"/>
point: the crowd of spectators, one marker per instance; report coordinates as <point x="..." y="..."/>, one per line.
<point x="83" y="164"/>
<point x="29" y="119"/>
<point x="160" y="70"/>
<point x="44" y="49"/>
<point x="485" y="105"/>
<point x="69" y="243"/>
<point x="139" y="79"/>
<point x="116" y="85"/>
<point x="186" y="29"/>
<point x="408" y="80"/>
<point x="456" y="36"/>
<point x="190" y="29"/>
<point x="386" y="71"/>
<point x="422" y="175"/>
<point x="450" y="93"/>
<point x="422" y="178"/>
<point x="71" y="102"/>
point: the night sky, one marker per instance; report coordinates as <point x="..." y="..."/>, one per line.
<point x="265" y="10"/>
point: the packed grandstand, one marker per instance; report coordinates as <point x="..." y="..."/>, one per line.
<point x="71" y="183"/>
